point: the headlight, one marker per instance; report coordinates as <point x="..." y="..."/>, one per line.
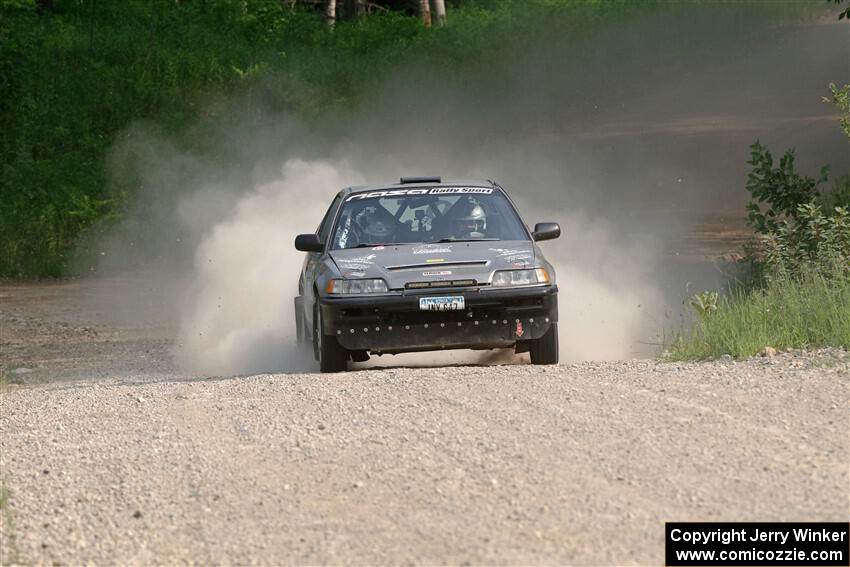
<point x="375" y="285"/>
<point x="504" y="278"/>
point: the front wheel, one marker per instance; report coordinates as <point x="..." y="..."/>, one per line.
<point x="545" y="349"/>
<point x="332" y="357"/>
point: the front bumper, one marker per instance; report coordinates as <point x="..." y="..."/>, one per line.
<point x="393" y="323"/>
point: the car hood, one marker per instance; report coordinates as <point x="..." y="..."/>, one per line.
<point x="400" y="264"/>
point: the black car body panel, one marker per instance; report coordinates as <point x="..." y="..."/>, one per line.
<point x="492" y="318"/>
<point x="393" y="321"/>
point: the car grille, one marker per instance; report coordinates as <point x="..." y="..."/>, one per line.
<point x="441" y="283"/>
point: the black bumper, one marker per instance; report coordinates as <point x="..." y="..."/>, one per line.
<point x="492" y="318"/>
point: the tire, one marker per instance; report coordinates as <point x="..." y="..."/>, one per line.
<point x="332" y="357"/>
<point x="300" y="327"/>
<point x="545" y="349"/>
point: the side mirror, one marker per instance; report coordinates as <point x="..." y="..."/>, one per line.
<point x="308" y="243"/>
<point x="546" y="231"/>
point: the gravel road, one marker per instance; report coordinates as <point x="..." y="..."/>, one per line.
<point x="574" y="464"/>
<point x="500" y="465"/>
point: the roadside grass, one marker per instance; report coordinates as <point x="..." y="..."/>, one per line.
<point x="806" y="312"/>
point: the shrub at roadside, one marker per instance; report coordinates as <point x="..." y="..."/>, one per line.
<point x="796" y="274"/>
<point x="810" y="242"/>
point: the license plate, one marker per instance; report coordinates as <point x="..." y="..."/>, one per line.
<point x="450" y="303"/>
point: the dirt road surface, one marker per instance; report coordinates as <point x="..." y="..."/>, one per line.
<point x="107" y="455"/>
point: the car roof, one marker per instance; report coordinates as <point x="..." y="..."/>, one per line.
<point x="413" y="185"/>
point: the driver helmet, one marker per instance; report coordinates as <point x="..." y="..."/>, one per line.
<point x="472" y="224"/>
<point x="376" y="227"/>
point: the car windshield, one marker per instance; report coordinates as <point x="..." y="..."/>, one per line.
<point x="424" y="215"/>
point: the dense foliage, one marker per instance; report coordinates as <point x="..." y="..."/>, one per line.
<point x="76" y="74"/>
<point x="812" y="241"/>
<point x="780" y="188"/>
<point x="779" y="193"/>
<point x="73" y="77"/>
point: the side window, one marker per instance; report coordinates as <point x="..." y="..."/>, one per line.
<point x="324" y="230"/>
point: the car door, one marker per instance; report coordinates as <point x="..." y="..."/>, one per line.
<point x="314" y="261"/>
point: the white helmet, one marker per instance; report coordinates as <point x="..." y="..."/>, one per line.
<point x="473" y="223"/>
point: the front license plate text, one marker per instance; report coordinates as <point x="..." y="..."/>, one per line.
<point x="449" y="303"/>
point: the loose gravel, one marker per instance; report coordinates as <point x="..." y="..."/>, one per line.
<point x="574" y="464"/>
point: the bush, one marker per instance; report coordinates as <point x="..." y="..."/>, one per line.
<point x="797" y="223"/>
<point x="809" y="242"/>
<point x="781" y="188"/>
<point x="795" y="275"/>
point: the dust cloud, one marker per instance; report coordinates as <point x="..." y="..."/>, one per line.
<point x="238" y="314"/>
<point x="636" y="136"/>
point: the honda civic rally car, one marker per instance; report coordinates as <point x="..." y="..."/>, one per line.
<point x="425" y="265"/>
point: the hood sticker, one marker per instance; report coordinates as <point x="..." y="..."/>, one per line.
<point x="434" y="260"/>
<point x="360" y="259"/>
<point x="511" y="251"/>
<point x="518" y="257"/>
<point x="356" y="263"/>
<point x="432" y="249"/>
<point x="437" y="273"/>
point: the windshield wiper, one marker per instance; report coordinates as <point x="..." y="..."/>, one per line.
<point x="444" y="240"/>
<point x="367" y="245"/>
<point x="440" y="241"/>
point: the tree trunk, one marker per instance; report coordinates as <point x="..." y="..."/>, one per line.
<point x="425" y="12"/>
<point x="359" y="8"/>
<point x="439" y="11"/>
<point x="330" y="12"/>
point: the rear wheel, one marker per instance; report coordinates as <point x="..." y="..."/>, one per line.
<point x="332" y="357"/>
<point x="545" y="349"/>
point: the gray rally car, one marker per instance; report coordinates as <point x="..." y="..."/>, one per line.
<point x="425" y="265"/>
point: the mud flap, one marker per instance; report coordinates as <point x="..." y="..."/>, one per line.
<point x="359" y="356"/>
<point x="300" y="328"/>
